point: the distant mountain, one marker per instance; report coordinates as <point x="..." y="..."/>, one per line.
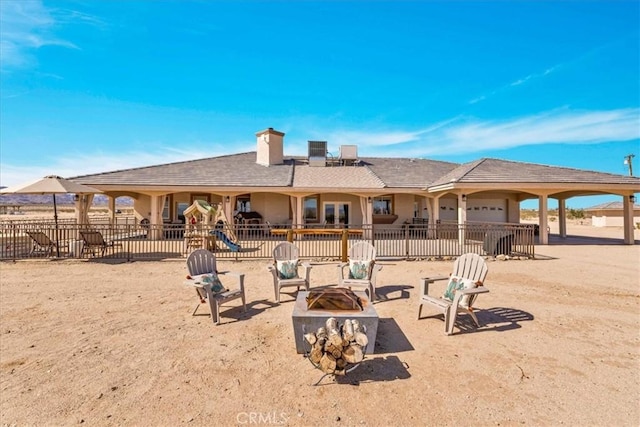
<point x="61" y="199"/>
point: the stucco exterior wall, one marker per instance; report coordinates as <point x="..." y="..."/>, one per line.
<point x="142" y="207"/>
<point x="611" y="221"/>
<point x="272" y="206"/>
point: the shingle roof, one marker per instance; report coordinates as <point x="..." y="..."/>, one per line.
<point x="229" y="171"/>
<point x="338" y="177"/>
<point x="407" y="173"/>
<point x="610" y="206"/>
<point x="505" y="171"/>
<point x="241" y="170"/>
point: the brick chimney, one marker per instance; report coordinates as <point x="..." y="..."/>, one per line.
<point x="270" y="144"/>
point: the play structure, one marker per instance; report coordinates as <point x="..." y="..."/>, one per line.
<point x="199" y="217"/>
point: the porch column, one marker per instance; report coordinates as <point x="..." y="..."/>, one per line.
<point x="299" y="211"/>
<point x="228" y="202"/>
<point x="434" y="216"/>
<point x="82" y="207"/>
<point x="78" y="205"/>
<point x="627" y="212"/>
<point x="296" y="211"/>
<point x="425" y="209"/>
<point x="366" y="205"/>
<point x="78" y="210"/>
<point x="562" y="217"/>
<point x="462" y="217"/>
<point x="155" y="220"/>
<point x="543" y="220"/>
<point x="112" y="209"/>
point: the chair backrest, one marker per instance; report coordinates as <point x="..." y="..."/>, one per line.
<point x="201" y="261"/>
<point x="470" y="266"/>
<point x="40" y="238"/>
<point x="362" y="251"/>
<point x="285" y="251"/>
<point x="93" y="237"/>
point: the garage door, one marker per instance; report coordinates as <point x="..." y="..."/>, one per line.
<point x="487" y="210"/>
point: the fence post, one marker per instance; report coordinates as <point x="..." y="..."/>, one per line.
<point x="345" y="245"/>
<point x="129" y="234"/>
<point x="406" y="241"/>
<point x="290" y="235"/>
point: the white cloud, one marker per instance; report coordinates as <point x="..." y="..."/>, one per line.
<point x="469" y="135"/>
<point x="514" y="83"/>
<point x="459" y="135"/>
<point x="568" y="127"/>
<point x="24" y="27"/>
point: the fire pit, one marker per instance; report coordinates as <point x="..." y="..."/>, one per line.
<point x="307" y="319"/>
<point x="342" y="299"/>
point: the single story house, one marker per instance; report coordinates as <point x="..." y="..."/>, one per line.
<point x="610" y="214"/>
<point x="353" y="189"/>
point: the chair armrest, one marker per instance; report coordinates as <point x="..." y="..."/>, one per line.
<point x="426" y="281"/>
<point x="474" y="291"/>
<point x="434" y="278"/>
<point x="341" y="267"/>
<point x="374" y="272"/>
<point x="238" y="276"/>
<point x="274" y="272"/>
<point x="307" y="270"/>
<point x="194" y="283"/>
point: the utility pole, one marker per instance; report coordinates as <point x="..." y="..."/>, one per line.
<point x="627" y="161"/>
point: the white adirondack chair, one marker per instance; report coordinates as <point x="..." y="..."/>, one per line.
<point x="361" y="252"/>
<point x="202" y="261"/>
<point x="468" y="266"/>
<point x="286" y="252"/>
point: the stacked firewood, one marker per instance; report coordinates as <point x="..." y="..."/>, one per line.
<point x="335" y="347"/>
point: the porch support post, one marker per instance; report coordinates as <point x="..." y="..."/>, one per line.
<point x="366" y="202"/>
<point x="425" y="205"/>
<point x="434" y="216"/>
<point x="112" y="209"/>
<point x="627" y="208"/>
<point x="227" y="207"/>
<point x="562" y="217"/>
<point x="299" y="211"/>
<point x="78" y="209"/>
<point x="157" y="204"/>
<point x="462" y="217"/>
<point x="544" y="220"/>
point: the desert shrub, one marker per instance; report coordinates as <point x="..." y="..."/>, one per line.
<point x="575" y="214"/>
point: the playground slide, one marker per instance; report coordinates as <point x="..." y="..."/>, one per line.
<point x="224" y="239"/>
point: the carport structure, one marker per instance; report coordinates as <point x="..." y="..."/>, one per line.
<point x="524" y="181"/>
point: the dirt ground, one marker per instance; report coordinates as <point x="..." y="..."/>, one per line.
<point x="98" y="343"/>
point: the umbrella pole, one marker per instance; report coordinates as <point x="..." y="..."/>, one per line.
<point x="55" y="220"/>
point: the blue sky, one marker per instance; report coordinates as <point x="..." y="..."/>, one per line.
<point x="92" y="86"/>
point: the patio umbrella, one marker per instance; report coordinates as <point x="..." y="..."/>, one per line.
<point x="53" y="185"/>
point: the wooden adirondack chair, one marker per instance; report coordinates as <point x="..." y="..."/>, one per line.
<point x="285" y="269"/>
<point x="361" y="269"/>
<point x="473" y="269"/>
<point x="203" y="262"/>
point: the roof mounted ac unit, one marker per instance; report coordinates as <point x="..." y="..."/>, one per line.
<point x="317" y="153"/>
<point x="348" y="154"/>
